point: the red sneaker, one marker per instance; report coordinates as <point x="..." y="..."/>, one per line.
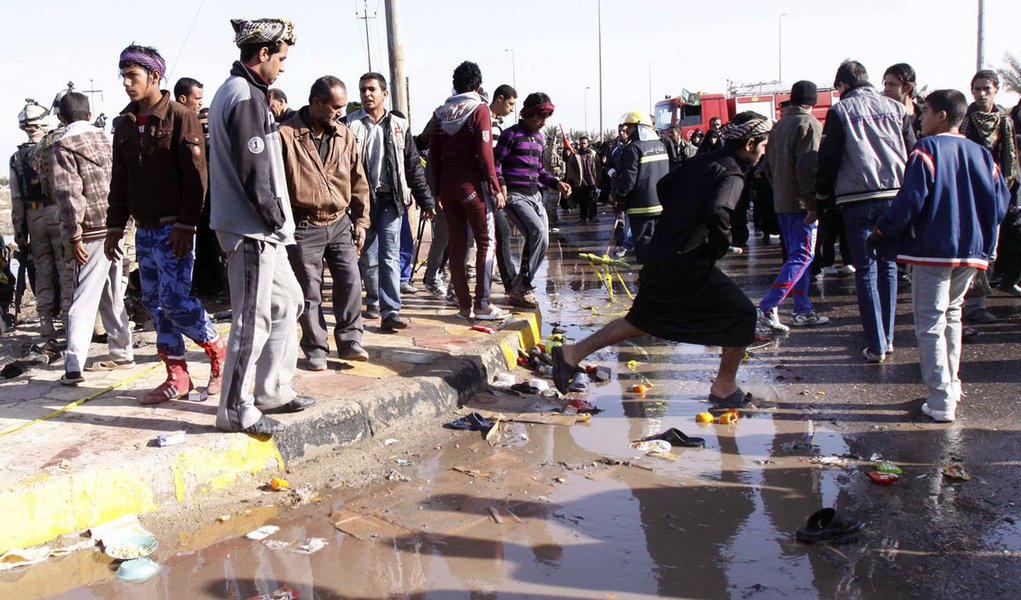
<point x="177" y="385"/>
<point x="216" y="350"/>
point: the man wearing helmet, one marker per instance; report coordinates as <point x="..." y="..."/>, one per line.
<point x="684" y="297"/>
<point x="643" y="162"/>
<point x="35" y="216"/>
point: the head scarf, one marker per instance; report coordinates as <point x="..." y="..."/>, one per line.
<point x="150" y="61"/>
<point x="544" y="109"/>
<point x="748" y="130"/>
<point x="262" y="31"/>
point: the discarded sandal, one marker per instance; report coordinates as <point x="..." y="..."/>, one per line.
<point x="599" y="373"/>
<point x="578" y="383"/>
<point x="826" y="524"/>
<point x="739" y="399"/>
<point x="470" y="422"/>
<point x="676" y="437"/>
<point x="110" y="365"/>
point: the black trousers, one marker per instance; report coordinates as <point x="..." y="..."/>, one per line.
<point x="585" y="196"/>
<point x="333" y="243"/>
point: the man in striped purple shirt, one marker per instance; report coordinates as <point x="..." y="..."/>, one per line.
<point x="518" y="157"/>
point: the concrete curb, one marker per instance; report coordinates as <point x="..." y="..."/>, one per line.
<point x="44" y="506"/>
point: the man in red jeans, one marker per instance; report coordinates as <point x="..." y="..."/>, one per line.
<point x="463" y="172"/>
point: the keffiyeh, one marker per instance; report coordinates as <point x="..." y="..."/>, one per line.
<point x="262" y="31"/>
<point x="544" y="109"/>
<point x="150" y="61"/>
<point x="747" y="130"/>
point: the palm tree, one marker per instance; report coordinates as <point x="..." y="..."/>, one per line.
<point x="1011" y="72"/>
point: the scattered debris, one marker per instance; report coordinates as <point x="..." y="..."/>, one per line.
<point x="883" y="478"/>
<point x="262" y="533"/>
<point x="170" y="439"/>
<point x="956" y="471"/>
<point x="284" y="592"/>
<point x="223" y="518"/>
<point x="503" y="380"/>
<point x="403" y="462"/>
<point x="652" y="446"/>
<point x="838" y="462"/>
<point x="278" y="484"/>
<point x="887" y="467"/>
<point x="390" y="442"/>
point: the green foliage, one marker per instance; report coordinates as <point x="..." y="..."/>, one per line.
<point x="1010" y="73"/>
<point x="4" y="181"/>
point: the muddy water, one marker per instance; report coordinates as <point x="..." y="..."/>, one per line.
<point x="573" y="512"/>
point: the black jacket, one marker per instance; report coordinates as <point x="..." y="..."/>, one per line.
<point x="642" y="164"/>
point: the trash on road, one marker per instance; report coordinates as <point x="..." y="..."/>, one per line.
<point x="137" y="570"/>
<point x="129" y="547"/>
<point x="283" y="592"/>
<point x="391" y="441"/>
<point x="23" y="557"/>
<point x="403" y="462"/>
<point x="884" y="466"/>
<point x="728" y="418"/>
<point x="277" y="484"/>
<point x="884" y="478"/>
<point x="838" y="462"/>
<point x="639" y="388"/>
<point x="170" y="439"/>
<point x="470" y="422"/>
<point x="578" y="383"/>
<point x="652" y="446"/>
<point x="198" y="395"/>
<point x="484" y="329"/>
<point x="676" y="437"/>
<point x="262" y="533"/>
<point x="598" y="373"/>
<point x="828" y="525"/>
<point x="704" y="417"/>
<point x="503" y="380"/>
<point x="956" y="471"/>
<point x="309" y="546"/>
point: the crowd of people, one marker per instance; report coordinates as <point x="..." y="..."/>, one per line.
<point x="255" y="200"/>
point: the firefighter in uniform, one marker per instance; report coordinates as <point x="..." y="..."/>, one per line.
<point x="35" y="217"/>
<point x="643" y="162"/>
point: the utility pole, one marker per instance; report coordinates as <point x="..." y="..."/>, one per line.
<point x="599" y="13"/>
<point x="587" y="88"/>
<point x="92" y="95"/>
<point x="650" y="88"/>
<point x="395" y="48"/>
<point x="514" y="78"/>
<point x="981" y="35"/>
<point x="365" y="17"/>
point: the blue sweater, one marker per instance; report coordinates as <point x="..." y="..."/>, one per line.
<point x="949" y="207"/>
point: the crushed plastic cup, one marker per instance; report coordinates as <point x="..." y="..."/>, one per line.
<point x="885" y="466"/>
<point x="652" y="446"/>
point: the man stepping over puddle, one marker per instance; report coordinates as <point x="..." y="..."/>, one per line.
<point x="683" y="296"/>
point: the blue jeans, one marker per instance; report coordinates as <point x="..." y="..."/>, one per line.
<point x="166" y="292"/>
<point x="381" y="257"/>
<point x="407" y="246"/>
<point x="795" y="276"/>
<point x="876" y="280"/>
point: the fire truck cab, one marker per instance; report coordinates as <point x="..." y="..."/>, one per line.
<point x="691" y="111"/>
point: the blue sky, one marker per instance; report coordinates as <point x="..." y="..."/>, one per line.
<point x="682" y="43"/>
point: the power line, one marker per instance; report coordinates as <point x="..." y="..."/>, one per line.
<point x="185" y="42"/>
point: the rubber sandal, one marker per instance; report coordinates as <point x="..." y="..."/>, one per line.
<point x="562" y="371"/>
<point x="739" y="399"/>
<point x="578" y="383"/>
<point x="826" y="524"/>
<point x="110" y="365"/>
<point x="470" y="422"/>
<point x="676" y="437"/>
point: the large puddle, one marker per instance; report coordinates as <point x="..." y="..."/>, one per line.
<point x="571" y="511"/>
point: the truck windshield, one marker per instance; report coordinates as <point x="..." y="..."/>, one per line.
<point x="690" y="115"/>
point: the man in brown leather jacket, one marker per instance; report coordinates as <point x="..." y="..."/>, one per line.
<point x="330" y="200"/>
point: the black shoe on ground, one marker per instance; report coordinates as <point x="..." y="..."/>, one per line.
<point x="264" y="426"/>
<point x="353" y="351"/>
<point x="72" y="378"/>
<point x="299" y="404"/>
<point x="394" y="322"/>
<point x="370" y="312"/>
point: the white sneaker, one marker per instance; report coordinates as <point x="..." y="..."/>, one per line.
<point x="830" y="270"/>
<point x="940" y="416"/>
<point x="809" y="319"/>
<point x="771" y="321"/>
<point x="873" y="358"/>
<point x="849" y="269"/>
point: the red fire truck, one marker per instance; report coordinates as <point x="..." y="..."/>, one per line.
<point x="694" y="110"/>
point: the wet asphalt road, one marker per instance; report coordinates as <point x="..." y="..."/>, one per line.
<point x="716" y="522"/>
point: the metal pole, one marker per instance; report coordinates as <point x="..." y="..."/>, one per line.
<point x="395" y="49"/>
<point x="981" y="35"/>
<point x="587" y="87"/>
<point x="599" y="13"/>
<point x="650" y="88"/>
<point x="514" y="78"/>
<point x="365" y="17"/>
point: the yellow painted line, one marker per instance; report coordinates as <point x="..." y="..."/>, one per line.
<point x="93" y="395"/>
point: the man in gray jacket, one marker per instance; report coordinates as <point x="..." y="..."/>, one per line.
<point x="861" y="165"/>
<point x="251" y="214"/>
<point x="793" y="156"/>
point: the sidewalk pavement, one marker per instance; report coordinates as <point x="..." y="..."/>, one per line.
<point x="75" y="457"/>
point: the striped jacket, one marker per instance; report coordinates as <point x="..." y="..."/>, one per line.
<point x="949" y="209"/>
<point x="518" y="158"/>
<point x="81" y="161"/>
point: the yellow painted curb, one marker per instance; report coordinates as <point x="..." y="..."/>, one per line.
<point x="202" y="470"/>
<point x="43" y="507"/>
